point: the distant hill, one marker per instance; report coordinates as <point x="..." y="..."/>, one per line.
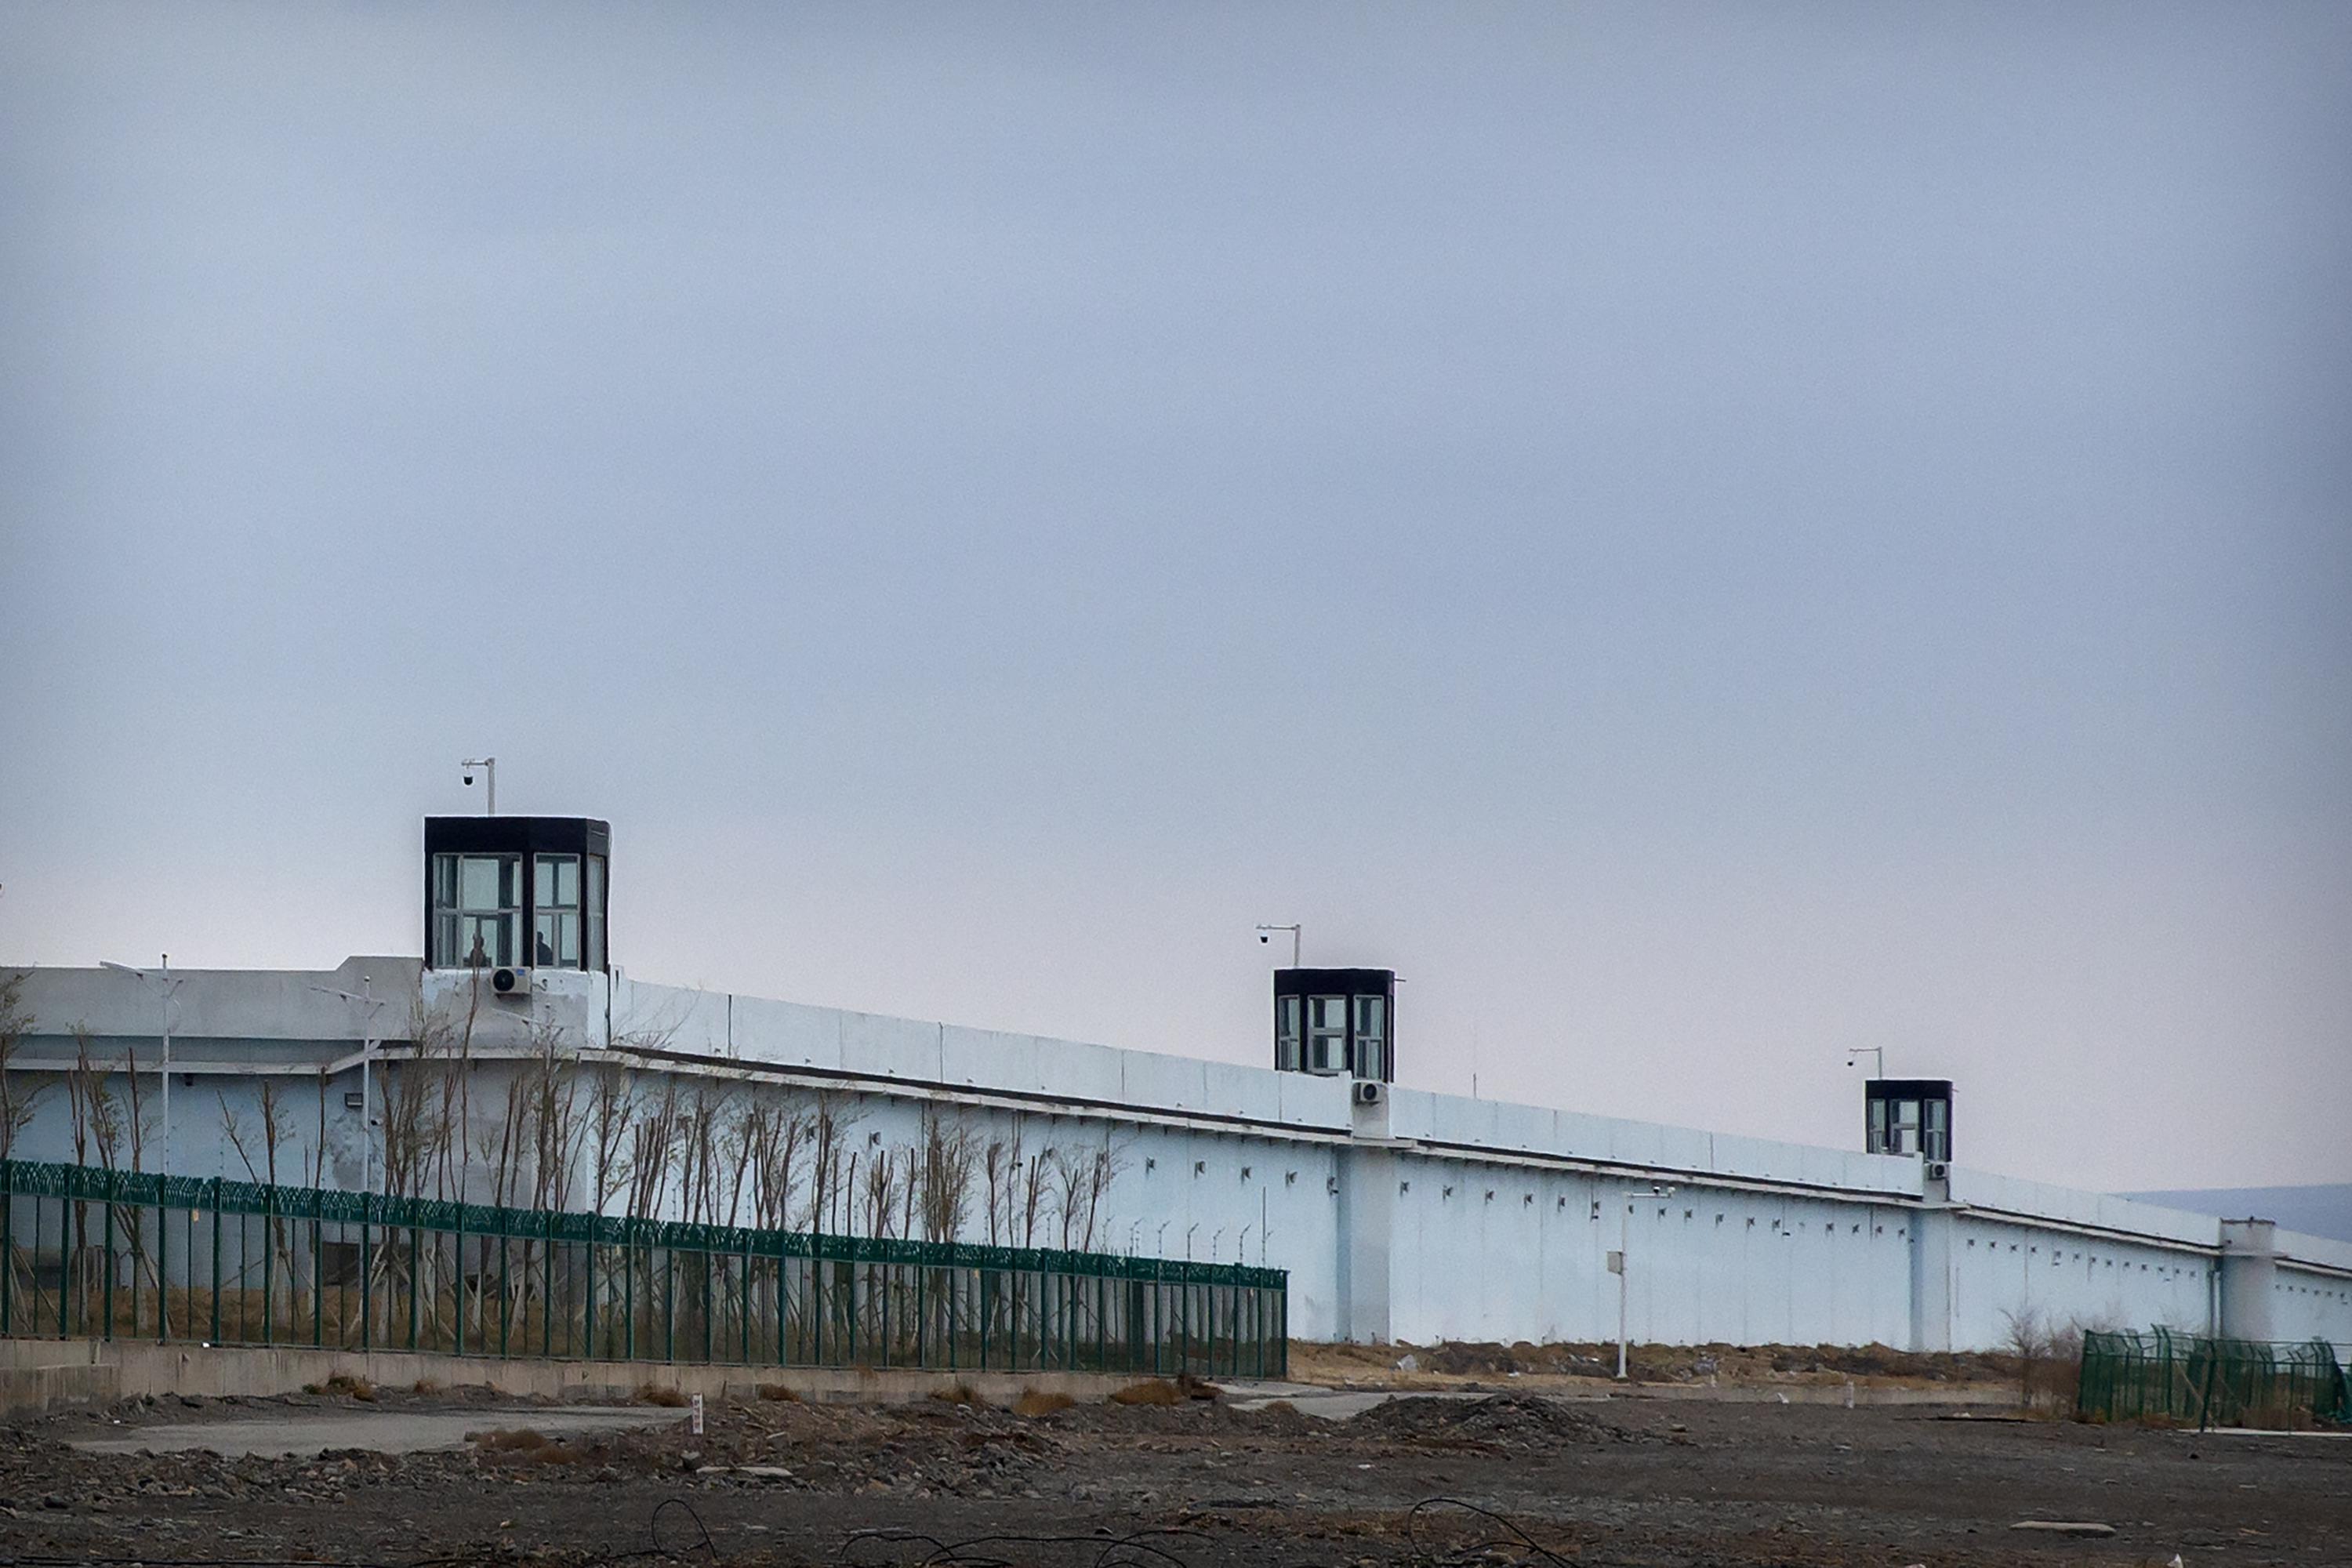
<point x="2314" y="1211"/>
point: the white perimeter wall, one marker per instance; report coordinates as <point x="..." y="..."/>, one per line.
<point x="1428" y="1218"/>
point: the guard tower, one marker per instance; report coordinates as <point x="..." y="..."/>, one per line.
<point x="1908" y="1116"/>
<point x="1335" y="1021"/>
<point x="511" y="894"/>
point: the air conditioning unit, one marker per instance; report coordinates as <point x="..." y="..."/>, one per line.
<point x="510" y="982"/>
<point x="1940" y="1170"/>
<point x="1368" y="1092"/>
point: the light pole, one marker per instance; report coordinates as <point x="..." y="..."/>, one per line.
<point x="167" y="984"/>
<point x="1266" y="934"/>
<point x="1877" y="1055"/>
<point x="367" y="1002"/>
<point x="1625" y="1235"/>
<point x="489" y="766"/>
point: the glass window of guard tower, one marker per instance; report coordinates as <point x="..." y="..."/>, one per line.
<point x="1327" y="1033"/>
<point x="1287" y="1053"/>
<point x="1371" y="1036"/>
<point x="596" y="912"/>
<point x="477" y="908"/>
<point x="555" y="903"/>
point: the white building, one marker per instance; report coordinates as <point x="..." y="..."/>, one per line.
<point x="513" y="1065"/>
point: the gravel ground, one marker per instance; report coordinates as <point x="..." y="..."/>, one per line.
<point x="1651" y="1482"/>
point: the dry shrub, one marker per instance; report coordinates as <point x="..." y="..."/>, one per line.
<point x="509" y="1439"/>
<point x="669" y="1398"/>
<point x="1152" y="1391"/>
<point x="780" y="1391"/>
<point x="1037" y="1402"/>
<point x="959" y="1394"/>
<point x="425" y="1385"/>
<point x="1279" y="1408"/>
<point x="348" y="1386"/>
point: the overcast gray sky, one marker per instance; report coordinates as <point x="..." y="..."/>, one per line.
<point x="1705" y="537"/>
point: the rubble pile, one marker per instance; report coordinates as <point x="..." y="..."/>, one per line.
<point x="1507" y="1420"/>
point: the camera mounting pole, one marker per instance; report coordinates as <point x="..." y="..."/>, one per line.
<point x="1265" y="934"/>
<point x="489" y="766"/>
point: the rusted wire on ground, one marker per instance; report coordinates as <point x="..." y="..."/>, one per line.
<point x="1421" y="1554"/>
<point x="1134" y="1550"/>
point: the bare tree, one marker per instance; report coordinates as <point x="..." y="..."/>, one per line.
<point x="271" y="1132"/>
<point x="612" y="1102"/>
<point x="134" y="1123"/>
<point x="96" y="1119"/>
<point x="783" y="1135"/>
<point x="950" y="1150"/>
<point x="2026" y="1335"/>
<point x="1034" y="1190"/>
<point x="651" y="1136"/>
<point x="16" y="1105"/>
<point x="832" y="1167"/>
<point x="1081" y="1177"/>
<point x="1001" y="1165"/>
<point x="884" y="1174"/>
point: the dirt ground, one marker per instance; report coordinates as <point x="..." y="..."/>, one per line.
<point x="1658" y="1482"/>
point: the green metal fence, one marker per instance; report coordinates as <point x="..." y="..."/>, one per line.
<point x="114" y="1255"/>
<point x="2195" y="1379"/>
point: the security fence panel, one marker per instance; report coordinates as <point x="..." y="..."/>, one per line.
<point x="2199" y="1380"/>
<point x="98" y="1253"/>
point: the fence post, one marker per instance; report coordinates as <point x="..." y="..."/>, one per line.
<point x="318" y="1280"/>
<point x="162" y="1264"/>
<point x="415" y="1277"/>
<point x="217" y="1259"/>
<point x="458" y="1284"/>
<point x="367" y="1277"/>
<point x="547" y="1287"/>
<point x="8" y="1245"/>
<point x="69" y="1249"/>
<point x="506" y="1261"/>
<point x="106" y="1330"/>
<point x="588" y="1306"/>
<point x="268" y="1261"/>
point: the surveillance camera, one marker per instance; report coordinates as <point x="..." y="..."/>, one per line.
<point x="1263" y="937"/>
<point x="469" y="779"/>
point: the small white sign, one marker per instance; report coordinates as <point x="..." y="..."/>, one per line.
<point x="698" y="1415"/>
<point x="1616" y="1265"/>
